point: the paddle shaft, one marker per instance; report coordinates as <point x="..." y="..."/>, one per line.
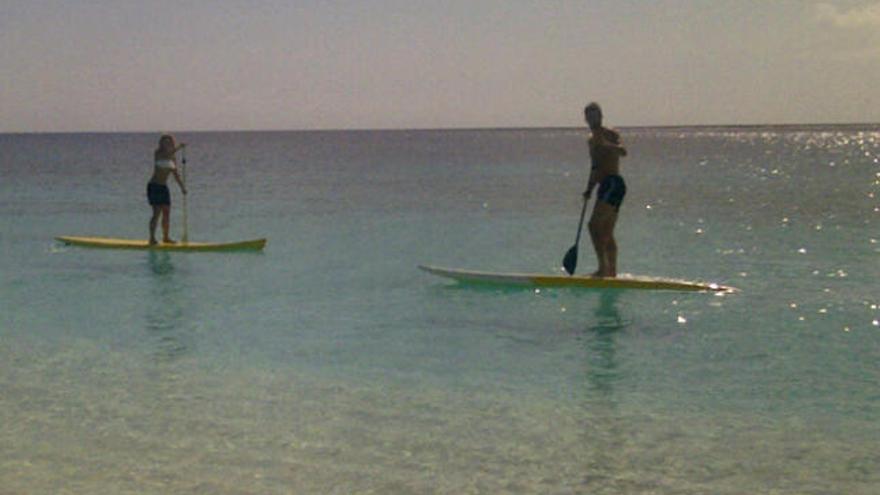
<point x="185" y="237"/>
<point x="577" y="239"/>
<point x="569" y="261"/>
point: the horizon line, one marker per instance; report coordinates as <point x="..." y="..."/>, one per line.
<point x="454" y="129"/>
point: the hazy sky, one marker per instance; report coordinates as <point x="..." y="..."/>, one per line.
<point x="128" y="65"/>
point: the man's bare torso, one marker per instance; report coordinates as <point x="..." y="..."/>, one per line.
<point x="605" y="152"/>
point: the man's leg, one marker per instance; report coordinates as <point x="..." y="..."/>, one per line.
<point x="611" y="247"/>
<point x="602" y="233"/>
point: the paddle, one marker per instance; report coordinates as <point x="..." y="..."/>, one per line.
<point x="569" y="262"/>
<point x="185" y="238"/>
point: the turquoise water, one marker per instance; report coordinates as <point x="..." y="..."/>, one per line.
<point x="330" y="364"/>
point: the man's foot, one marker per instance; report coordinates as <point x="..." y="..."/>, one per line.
<point x="168" y="240"/>
<point x="153" y="242"/>
<point x="601" y="274"/>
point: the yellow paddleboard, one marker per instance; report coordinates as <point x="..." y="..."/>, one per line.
<point x="111" y="243"/>
<point x="581" y="281"/>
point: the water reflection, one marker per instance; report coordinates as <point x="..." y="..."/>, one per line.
<point x="160" y="263"/>
<point x="608" y="427"/>
<point x="602" y="370"/>
<point x="166" y="314"/>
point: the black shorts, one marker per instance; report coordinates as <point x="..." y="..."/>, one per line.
<point x="612" y="189"/>
<point x="158" y="194"/>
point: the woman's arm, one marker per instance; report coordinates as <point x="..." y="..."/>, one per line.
<point x="179" y="181"/>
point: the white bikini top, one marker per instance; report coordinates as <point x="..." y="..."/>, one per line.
<point x="166" y="164"/>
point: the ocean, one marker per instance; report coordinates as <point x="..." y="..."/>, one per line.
<point x="330" y="364"/>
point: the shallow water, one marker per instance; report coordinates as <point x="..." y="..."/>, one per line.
<point x="330" y="364"/>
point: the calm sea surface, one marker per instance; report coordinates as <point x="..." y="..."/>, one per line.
<point x="331" y="364"/>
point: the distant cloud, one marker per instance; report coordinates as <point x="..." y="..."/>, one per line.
<point x="855" y="17"/>
<point x="855" y="33"/>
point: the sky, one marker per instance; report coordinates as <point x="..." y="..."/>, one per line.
<point x="139" y="65"/>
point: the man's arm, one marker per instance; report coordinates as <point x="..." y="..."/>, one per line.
<point x="594" y="166"/>
<point x="611" y="140"/>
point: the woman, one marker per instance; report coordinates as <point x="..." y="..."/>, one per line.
<point x="164" y="164"/>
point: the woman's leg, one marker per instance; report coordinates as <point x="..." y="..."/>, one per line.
<point x="166" y="223"/>
<point x="153" y="221"/>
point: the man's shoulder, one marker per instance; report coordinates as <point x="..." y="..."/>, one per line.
<point x="612" y="135"/>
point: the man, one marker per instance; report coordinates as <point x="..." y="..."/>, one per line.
<point x="605" y="152"/>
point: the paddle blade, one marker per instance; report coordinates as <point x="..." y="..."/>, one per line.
<point x="571" y="259"/>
